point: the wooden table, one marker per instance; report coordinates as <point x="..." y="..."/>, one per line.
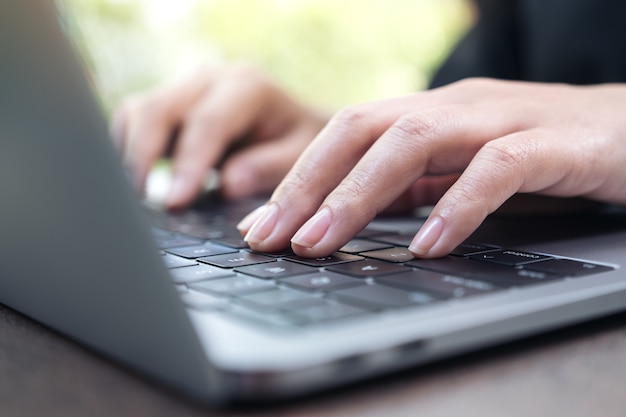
<point x="578" y="371"/>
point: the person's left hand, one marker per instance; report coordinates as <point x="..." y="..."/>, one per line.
<point x="469" y="147"/>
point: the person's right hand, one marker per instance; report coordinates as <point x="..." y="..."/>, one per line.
<point x="210" y="113"/>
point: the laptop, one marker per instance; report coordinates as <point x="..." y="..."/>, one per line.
<point x="179" y="297"/>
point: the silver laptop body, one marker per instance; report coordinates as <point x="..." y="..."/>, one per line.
<point x="77" y="254"/>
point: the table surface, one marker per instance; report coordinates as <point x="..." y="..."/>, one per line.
<point x="577" y="371"/>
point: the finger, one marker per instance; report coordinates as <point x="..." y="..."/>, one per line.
<point x="259" y="168"/>
<point x="522" y="162"/>
<point x="317" y="171"/>
<point x="436" y="141"/>
<point x="147" y="121"/>
<point x="344" y="140"/>
<point x="235" y="104"/>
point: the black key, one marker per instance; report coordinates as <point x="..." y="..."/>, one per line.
<point x="276" y="270"/>
<point x="236" y="285"/>
<point x="334" y="259"/>
<point x="395" y="239"/>
<point x="469" y="248"/>
<point x="322" y="281"/>
<point x="172" y="261"/>
<point x="208" y="249"/>
<point x="510" y="257"/>
<point x="362" y="245"/>
<point x="567" y="267"/>
<point x="368" y="233"/>
<point x="202" y="232"/>
<point x="280" y="254"/>
<point x="498" y="275"/>
<point x="173" y="242"/>
<point x="233" y="240"/>
<point x="446" y="286"/>
<point x="280" y="298"/>
<point x="368" y="268"/>
<point x="234" y="260"/>
<point x="378" y="297"/>
<point x="391" y="255"/>
<point x="198" y="273"/>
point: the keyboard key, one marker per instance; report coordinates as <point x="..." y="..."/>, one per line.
<point x="395" y="239"/>
<point x="368" y="233"/>
<point x="235" y="260"/>
<point x="198" y="273"/>
<point x="469" y="248"/>
<point x="567" y="267"/>
<point x="236" y="285"/>
<point x="172" y="261"/>
<point x="201" y="231"/>
<point x="391" y="255"/>
<point x="322" y="281"/>
<point x="233" y="240"/>
<point x="173" y="242"/>
<point x="280" y="254"/>
<point x="199" y="251"/>
<point x="276" y="270"/>
<point x="368" y="268"/>
<point x="446" y="286"/>
<point x="334" y="259"/>
<point x="510" y="257"/>
<point x="498" y="275"/>
<point x="362" y="245"/>
<point x="378" y="297"/>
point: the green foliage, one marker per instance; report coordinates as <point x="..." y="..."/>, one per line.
<point x="331" y="53"/>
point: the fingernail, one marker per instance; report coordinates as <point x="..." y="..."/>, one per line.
<point x="263" y="226"/>
<point x="427" y="236"/>
<point x="313" y="230"/>
<point x="246" y="223"/>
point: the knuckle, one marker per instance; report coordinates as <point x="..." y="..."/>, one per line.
<point x="199" y="119"/>
<point x="354" y="196"/>
<point x="350" y="116"/>
<point x="416" y="125"/>
<point x="245" y="72"/>
<point x="507" y="156"/>
<point x="144" y="104"/>
<point x="474" y="84"/>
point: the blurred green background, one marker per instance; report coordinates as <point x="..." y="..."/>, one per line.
<point x="328" y="53"/>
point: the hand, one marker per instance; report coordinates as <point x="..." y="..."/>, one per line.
<point x="212" y="111"/>
<point x="468" y="147"/>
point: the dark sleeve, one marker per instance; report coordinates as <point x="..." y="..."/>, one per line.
<point x="571" y="41"/>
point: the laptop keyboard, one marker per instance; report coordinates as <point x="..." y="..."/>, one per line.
<point x="215" y="271"/>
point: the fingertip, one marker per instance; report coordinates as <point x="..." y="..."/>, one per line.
<point x="427" y="237"/>
<point x="181" y="193"/>
<point x="239" y="183"/>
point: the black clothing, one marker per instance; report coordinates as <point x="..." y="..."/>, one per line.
<point x="570" y="41"/>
